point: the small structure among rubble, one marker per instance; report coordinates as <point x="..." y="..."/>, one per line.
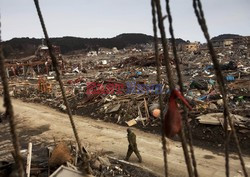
<point x="37" y="64"/>
<point x="189" y="47"/>
<point x="231" y="42"/>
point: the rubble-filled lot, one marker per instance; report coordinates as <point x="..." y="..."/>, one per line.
<point x="48" y="154"/>
<point x="122" y="89"/>
<point x="45" y="127"/>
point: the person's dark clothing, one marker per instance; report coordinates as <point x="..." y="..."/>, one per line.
<point x="132" y="147"/>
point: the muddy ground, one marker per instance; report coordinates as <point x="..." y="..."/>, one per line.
<point x="110" y="138"/>
<point x="205" y="136"/>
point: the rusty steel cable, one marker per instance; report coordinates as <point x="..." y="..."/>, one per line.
<point x="227" y="118"/>
<point x="83" y="154"/>
<point x="171" y="80"/>
<point x="10" y="116"/>
<point x="180" y="82"/>
<point x="163" y="138"/>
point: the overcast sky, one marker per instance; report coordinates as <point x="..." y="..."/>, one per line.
<point x="108" y="18"/>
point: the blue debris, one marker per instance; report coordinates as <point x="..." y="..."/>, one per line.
<point x="209" y="67"/>
<point x="203" y="98"/>
<point x="230" y="78"/>
<point x="211" y="81"/>
<point x="138" y="73"/>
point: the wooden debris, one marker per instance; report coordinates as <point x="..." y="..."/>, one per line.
<point x="218" y="119"/>
<point x="131" y="122"/>
<point x="29" y="155"/>
<point x="146" y="108"/>
<point x="140" y="115"/>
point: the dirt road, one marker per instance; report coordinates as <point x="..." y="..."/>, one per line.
<point x="42" y="123"/>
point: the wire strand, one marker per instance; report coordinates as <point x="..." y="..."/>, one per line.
<point x="84" y="155"/>
<point x="170" y="80"/>
<point x="163" y="138"/>
<point x="10" y="116"/>
<point x="164" y="45"/>
<point x="227" y="118"/>
<point x="180" y="82"/>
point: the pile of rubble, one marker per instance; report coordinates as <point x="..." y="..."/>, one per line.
<point x="123" y="89"/>
<point x="63" y="160"/>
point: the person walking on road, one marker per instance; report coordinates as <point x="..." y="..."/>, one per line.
<point x="132" y="147"/>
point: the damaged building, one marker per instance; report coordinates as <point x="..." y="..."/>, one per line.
<point x="38" y="64"/>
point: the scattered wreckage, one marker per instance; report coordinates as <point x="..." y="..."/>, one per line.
<point x="123" y="89"/>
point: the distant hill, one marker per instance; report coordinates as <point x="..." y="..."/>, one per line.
<point x="22" y="47"/>
<point x="226" y="36"/>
